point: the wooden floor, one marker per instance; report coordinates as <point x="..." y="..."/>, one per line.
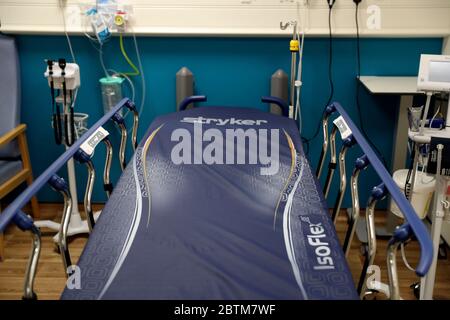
<point x="50" y="279"/>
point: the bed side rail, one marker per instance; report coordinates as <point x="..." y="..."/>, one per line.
<point x="413" y="225"/>
<point x="13" y="213"/>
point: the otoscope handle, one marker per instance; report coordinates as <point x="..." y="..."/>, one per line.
<point x="62" y="65"/>
<point x="57" y="129"/>
<point x="69" y="141"/>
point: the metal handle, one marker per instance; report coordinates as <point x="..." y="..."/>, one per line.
<point x="378" y="193"/>
<point x="360" y="164"/>
<point x="188" y="100"/>
<point x="107" y="185"/>
<point x="332" y="163"/>
<point x="326" y="115"/>
<point x="134" y="143"/>
<point x="88" y="195"/>
<point x="58" y="184"/>
<point x="132" y="107"/>
<point x="83" y="157"/>
<point x="120" y="122"/>
<point x="25" y="223"/>
<point x="401" y="234"/>
<point x="30" y="275"/>
<point x="347" y="144"/>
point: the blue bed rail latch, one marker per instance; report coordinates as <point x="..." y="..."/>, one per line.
<point x="362" y="162"/>
<point x="349" y="142"/>
<point x="81" y="156"/>
<point x="379" y="192"/>
<point x="117" y="118"/>
<point x="330" y="109"/>
<point x="188" y="100"/>
<point x="23" y="221"/>
<point x="58" y="183"/>
<point x="131" y="105"/>
<point x="279" y="102"/>
<point x="401" y="234"/>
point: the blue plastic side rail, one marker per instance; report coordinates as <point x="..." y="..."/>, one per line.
<point x="188" y="100"/>
<point x="417" y="226"/>
<point x="7" y="216"/>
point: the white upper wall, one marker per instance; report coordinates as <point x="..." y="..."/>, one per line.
<point x="379" y="18"/>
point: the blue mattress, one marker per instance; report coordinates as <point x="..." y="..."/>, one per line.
<point x="215" y="231"/>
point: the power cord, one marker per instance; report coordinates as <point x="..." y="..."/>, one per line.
<point x="69" y="43"/>
<point x="358" y="86"/>
<point x="307" y="141"/>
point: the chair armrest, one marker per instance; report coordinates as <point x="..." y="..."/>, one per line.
<point x="11" y="135"/>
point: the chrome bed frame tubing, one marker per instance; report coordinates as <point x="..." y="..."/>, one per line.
<point x="394" y="286"/>
<point x="83" y="157"/>
<point x="120" y="122"/>
<point x="372" y="245"/>
<point x="88" y="195"/>
<point x="347" y="144"/>
<point x="378" y="193"/>
<point x="360" y="164"/>
<point x="410" y="187"/>
<point x="30" y="274"/>
<point x="107" y="169"/>
<point x="123" y="145"/>
<point x="332" y="163"/>
<point x="324" y="151"/>
<point x="134" y="143"/>
<point x="62" y="236"/>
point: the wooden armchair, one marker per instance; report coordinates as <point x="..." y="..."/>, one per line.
<point x="15" y="172"/>
<point x="15" y="167"/>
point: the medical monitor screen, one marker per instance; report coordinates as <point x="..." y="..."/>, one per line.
<point x="439" y="71"/>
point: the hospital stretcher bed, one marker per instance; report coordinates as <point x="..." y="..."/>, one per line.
<point x="216" y="231"/>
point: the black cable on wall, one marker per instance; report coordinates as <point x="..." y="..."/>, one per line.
<point x="306" y="141"/>
<point x="358" y="85"/>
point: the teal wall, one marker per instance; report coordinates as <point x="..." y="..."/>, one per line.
<point x="231" y="71"/>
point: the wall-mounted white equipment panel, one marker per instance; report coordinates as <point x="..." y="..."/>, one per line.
<point x="378" y="18"/>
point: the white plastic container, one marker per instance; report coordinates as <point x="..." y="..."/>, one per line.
<point x="422" y="192"/>
<point x="111" y="92"/>
<point x="80" y="120"/>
